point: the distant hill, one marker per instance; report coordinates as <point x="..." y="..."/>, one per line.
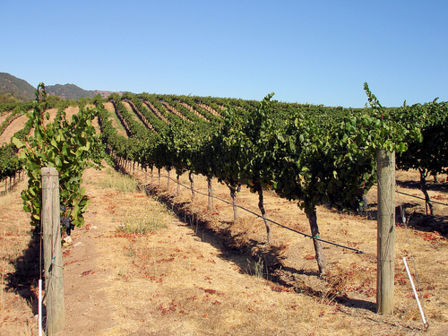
<point x="15" y="87"/>
<point x="69" y="91"/>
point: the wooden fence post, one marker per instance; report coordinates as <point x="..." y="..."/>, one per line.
<point x="54" y="281"/>
<point x="385" y="232"/>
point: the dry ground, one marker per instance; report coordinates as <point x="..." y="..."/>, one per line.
<point x="15" y="126"/>
<point x="196" y="272"/>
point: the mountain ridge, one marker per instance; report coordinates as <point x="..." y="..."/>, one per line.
<point x="13" y="88"/>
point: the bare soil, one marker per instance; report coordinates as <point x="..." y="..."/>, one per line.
<point x="14" y="127"/>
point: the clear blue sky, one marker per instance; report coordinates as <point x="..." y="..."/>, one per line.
<point x="318" y="52"/>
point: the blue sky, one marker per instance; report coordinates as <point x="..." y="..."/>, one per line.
<point x="318" y="52"/>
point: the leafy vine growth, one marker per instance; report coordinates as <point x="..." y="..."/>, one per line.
<point x="69" y="146"/>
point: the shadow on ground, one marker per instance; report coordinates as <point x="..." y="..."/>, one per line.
<point x="254" y="257"/>
<point x="26" y="275"/>
<point x="414" y="219"/>
<point x="441" y="186"/>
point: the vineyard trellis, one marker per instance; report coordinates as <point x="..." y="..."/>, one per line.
<point x="310" y="154"/>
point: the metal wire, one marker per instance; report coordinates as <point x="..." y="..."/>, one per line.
<point x="272" y="221"/>
<point x="435" y="202"/>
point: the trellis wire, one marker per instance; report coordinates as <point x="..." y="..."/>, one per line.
<point x="274" y="222"/>
<point x="421" y="198"/>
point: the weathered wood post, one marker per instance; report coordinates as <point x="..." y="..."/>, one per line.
<point x="385" y="232"/>
<point x="54" y="281"/>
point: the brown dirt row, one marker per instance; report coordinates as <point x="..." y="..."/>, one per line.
<point x="4" y="115"/>
<point x="174" y="111"/>
<point x="209" y="109"/>
<point x="156" y="112"/>
<point x="133" y="109"/>
<point x="14" y="127"/>
<point x="115" y="122"/>
<point x="192" y="110"/>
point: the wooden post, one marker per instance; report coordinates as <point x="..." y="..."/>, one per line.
<point x="50" y="221"/>
<point x="385" y="232"/>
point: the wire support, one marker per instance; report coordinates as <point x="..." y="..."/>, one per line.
<point x="272" y="221"/>
<point x="421" y="198"/>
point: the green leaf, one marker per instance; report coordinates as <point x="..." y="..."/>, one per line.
<point x="19" y="144"/>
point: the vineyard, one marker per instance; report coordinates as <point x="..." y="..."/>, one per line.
<point x="256" y="209"/>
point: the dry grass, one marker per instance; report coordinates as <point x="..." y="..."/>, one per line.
<point x="209" y="278"/>
<point x="352" y="278"/>
<point x="116" y="181"/>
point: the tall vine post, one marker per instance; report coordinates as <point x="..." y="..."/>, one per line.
<point x="54" y="280"/>
<point x="385" y="232"/>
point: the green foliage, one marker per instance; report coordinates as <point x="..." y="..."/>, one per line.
<point x="9" y="163"/>
<point x="391" y="129"/>
<point x="429" y="153"/>
<point x="70" y="147"/>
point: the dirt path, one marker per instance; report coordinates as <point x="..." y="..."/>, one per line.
<point x="14" y="127"/>
<point x="179" y="280"/>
